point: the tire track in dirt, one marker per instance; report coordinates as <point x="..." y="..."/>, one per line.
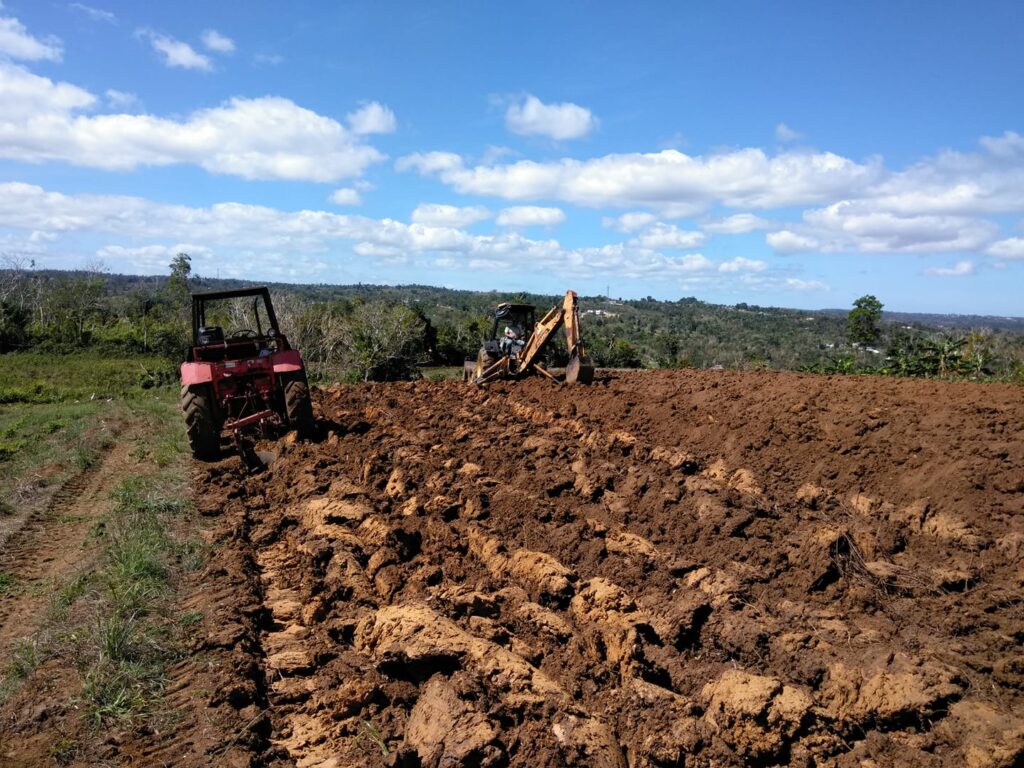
<point x="52" y="546"/>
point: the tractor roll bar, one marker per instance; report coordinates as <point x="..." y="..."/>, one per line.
<point x="199" y="311"/>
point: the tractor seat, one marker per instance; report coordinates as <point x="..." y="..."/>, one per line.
<point x="210" y="334"/>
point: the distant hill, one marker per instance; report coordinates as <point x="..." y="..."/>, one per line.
<point x="423" y="293"/>
<point x="960" y="322"/>
<point x="648" y="332"/>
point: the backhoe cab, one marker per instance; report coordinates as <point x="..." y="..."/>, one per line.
<point x="240" y="371"/>
<point x="514" y="351"/>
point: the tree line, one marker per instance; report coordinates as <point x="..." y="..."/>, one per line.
<point x="391" y="332"/>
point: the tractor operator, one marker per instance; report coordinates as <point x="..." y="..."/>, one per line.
<point x="512" y="342"/>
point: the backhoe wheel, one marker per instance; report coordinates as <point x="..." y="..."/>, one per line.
<point x="201" y="427"/>
<point x="298" y="407"/>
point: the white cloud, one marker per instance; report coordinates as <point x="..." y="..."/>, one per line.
<point x="372" y="118"/>
<point x="857" y="227"/>
<point x="121" y="99"/>
<point x="96" y="14"/>
<point x="437" y="215"/>
<point x="1010" y="144"/>
<point x="427" y="163"/>
<point x="664" y="180"/>
<point x="1010" y="248"/>
<point x="669" y="236"/>
<point x="151" y="258"/>
<point x="215" y="41"/>
<point x="676" y="141"/>
<point x="388" y="252"/>
<point x="740" y="264"/>
<point x="960" y="269"/>
<point x="17" y="43"/>
<point x="736" y="224"/>
<point x="937" y="205"/>
<point x="959" y="183"/>
<point x="798" y="284"/>
<point x="530" y="216"/>
<point x="271" y="241"/>
<point x="29" y="99"/>
<point x="784" y="133"/>
<point x="633" y="221"/>
<point x="532" y="117"/>
<point x="622" y="260"/>
<point x="849" y="226"/>
<point x="494" y="153"/>
<point x="267" y="59"/>
<point x="265" y="138"/>
<point x="785" y="241"/>
<point x="345" y="196"/>
<point x="176" y="53"/>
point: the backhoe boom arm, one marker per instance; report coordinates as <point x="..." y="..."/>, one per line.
<point x="578" y="368"/>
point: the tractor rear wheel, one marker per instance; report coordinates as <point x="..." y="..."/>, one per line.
<point x="200" y="425"/>
<point x="297" y="405"/>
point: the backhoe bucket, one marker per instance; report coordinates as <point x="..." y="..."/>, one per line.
<point x="579" y="369"/>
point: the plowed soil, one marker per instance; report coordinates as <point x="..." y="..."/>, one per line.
<point x="674" y="568"/>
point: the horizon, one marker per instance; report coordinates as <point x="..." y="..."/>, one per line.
<point x="795" y="158"/>
<point x="512" y="291"/>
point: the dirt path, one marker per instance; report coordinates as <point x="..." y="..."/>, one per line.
<point x="52" y="548"/>
<point x="211" y="711"/>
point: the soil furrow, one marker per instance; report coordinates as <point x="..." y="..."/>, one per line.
<point x="699" y="567"/>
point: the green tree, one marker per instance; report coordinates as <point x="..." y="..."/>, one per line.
<point x="178" y="282"/>
<point x="622" y="354"/>
<point x="13" y="326"/>
<point x="863" y="325"/>
<point x="380" y="342"/>
<point x="73" y="301"/>
<point x="666" y="348"/>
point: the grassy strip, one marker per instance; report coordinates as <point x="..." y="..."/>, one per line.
<point x="122" y="654"/>
<point x="114" y="623"/>
<point x="30" y="377"/>
<point x="59" y="413"/>
<point x="41" y="445"/>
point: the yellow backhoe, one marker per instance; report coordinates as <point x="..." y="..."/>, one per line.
<point x="515" y="353"/>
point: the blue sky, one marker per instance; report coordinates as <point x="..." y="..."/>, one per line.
<point x="791" y="154"/>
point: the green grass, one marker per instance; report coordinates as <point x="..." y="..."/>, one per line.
<point x="64" y="751"/>
<point x="64" y="598"/>
<point x="442" y="373"/>
<point x="113" y="622"/>
<point x="60" y="428"/>
<point x="31" y="377"/>
<point x="25" y="657"/>
<point x="7" y="583"/>
<point x="43" y="444"/>
<point x="123" y="653"/>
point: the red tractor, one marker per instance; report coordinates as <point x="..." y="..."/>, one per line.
<point x="240" y="371"/>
